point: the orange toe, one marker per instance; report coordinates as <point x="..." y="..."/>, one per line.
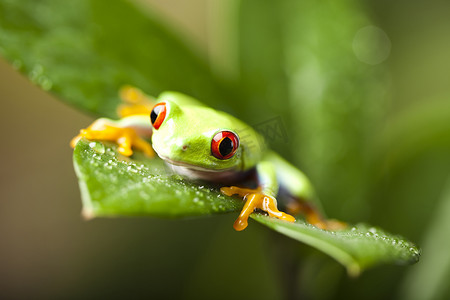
<point x="255" y="199"/>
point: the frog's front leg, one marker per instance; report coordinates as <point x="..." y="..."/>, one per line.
<point x="124" y="132"/>
<point x="127" y="132"/>
<point x="261" y="198"/>
<point x="134" y="102"/>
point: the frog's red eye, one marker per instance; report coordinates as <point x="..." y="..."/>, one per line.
<point x="224" y="144"/>
<point x="158" y="114"/>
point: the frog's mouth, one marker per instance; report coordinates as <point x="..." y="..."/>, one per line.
<point x="176" y="163"/>
<point x="197" y="172"/>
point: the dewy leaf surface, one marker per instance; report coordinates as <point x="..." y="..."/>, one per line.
<point x="114" y="186"/>
<point x="357" y="247"/>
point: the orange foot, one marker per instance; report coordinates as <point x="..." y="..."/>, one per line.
<point x="126" y="138"/>
<point x="254" y="199"/>
<point x="135" y="102"/>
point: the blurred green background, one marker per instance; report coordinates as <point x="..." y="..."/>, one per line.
<point x="370" y="127"/>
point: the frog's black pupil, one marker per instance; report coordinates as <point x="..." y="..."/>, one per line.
<point x="226" y="146"/>
<point x="154" y="114"/>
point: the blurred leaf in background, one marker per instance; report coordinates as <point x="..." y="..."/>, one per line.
<point x="51" y="40"/>
<point x="330" y="100"/>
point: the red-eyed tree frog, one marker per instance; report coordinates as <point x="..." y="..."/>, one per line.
<point x="201" y="143"/>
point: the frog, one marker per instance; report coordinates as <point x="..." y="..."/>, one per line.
<point x="204" y="144"/>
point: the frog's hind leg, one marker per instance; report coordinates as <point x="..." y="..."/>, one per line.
<point x="313" y="214"/>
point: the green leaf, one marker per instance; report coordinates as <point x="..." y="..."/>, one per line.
<point x="112" y="185"/>
<point x="84" y="50"/>
<point x="357" y="247"/>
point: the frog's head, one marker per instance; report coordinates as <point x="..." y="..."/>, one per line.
<point x="195" y="137"/>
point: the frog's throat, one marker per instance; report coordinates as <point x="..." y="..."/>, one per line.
<point x="201" y="173"/>
<point x="176" y="163"/>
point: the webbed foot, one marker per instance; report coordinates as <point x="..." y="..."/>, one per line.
<point x="126" y="138"/>
<point x="255" y="199"/>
